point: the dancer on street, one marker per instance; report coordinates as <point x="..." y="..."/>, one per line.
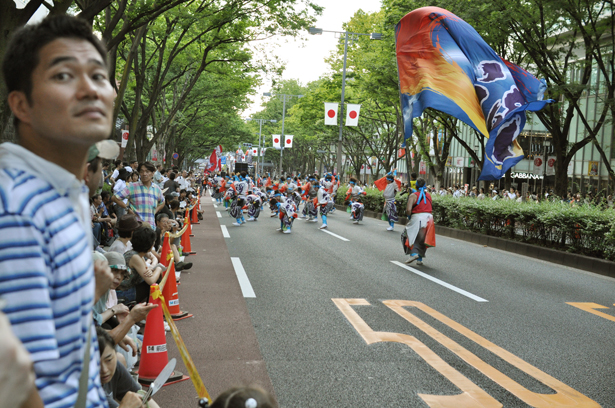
<point x="420" y="231"/>
<point x="254" y="202"/>
<point x="390" y="209"/>
<point x="325" y="203"/>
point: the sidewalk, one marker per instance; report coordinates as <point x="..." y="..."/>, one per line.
<point x="220" y="337"/>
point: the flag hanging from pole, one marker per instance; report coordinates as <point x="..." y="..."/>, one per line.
<point x="352" y="114"/>
<point x="276" y="141"/>
<point x="288" y="141"/>
<point x="331" y="113"/>
<point x="444" y="64"/>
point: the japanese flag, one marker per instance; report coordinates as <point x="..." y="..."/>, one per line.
<point x="276" y="141"/>
<point x="331" y="113"/>
<point x="254" y="151"/>
<point x="352" y="114"/>
<point x="288" y="141"/>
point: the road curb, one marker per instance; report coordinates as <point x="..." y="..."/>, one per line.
<point x="586" y="263"/>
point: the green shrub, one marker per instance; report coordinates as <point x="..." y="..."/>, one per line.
<point x="587" y="230"/>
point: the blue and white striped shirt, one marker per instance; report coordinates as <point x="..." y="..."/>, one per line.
<point x="47" y="274"/>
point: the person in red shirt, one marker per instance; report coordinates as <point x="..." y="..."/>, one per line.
<point x="421" y="220"/>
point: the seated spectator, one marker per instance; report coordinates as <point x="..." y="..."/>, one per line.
<point x="164" y="225"/>
<point x="121" y="389"/>
<point x="145" y="272"/>
<point x="125" y="227"/>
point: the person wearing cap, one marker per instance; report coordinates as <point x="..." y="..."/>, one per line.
<point x="56" y="76"/>
<point x="126" y="225"/>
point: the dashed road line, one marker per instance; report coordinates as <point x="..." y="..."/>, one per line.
<point x="242" y="277"/>
<point x="335" y="235"/>
<point x="225" y="233"/>
<point x="440" y="282"/>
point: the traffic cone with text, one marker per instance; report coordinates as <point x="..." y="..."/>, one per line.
<point x="185" y="240"/>
<point x="154" y="356"/>
<point x="171" y="296"/>
<point x="165" y="252"/>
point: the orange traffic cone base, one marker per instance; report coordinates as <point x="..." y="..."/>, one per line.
<point x="177" y="376"/>
<point x="181" y="316"/>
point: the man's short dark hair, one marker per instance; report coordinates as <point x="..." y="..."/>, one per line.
<point x="22" y="54"/>
<point x="413" y="175"/>
<point x="149" y="166"/>
<point x="143" y="239"/>
<point x="172" y="176"/>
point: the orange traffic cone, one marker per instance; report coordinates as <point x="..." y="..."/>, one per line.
<point x="185" y="241"/>
<point x="154" y="355"/>
<point x="165" y="253"/>
<point x="189" y="227"/>
<point x="171" y="296"/>
<point x="195" y="217"/>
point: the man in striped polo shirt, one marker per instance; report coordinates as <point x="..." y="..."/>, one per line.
<point x="59" y="92"/>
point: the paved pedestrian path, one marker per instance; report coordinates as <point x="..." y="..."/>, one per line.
<point x="220" y="337"/>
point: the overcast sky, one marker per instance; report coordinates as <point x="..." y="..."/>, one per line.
<point x="305" y="58"/>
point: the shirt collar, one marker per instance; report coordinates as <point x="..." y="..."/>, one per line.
<point x="17" y="157"/>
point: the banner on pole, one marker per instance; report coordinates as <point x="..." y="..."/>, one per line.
<point x="331" y="113"/>
<point x="352" y="114"/>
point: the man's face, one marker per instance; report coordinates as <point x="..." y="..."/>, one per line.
<point x="146" y="175"/>
<point x="108" y="363"/>
<point x="72" y="99"/>
<point x="134" y="165"/>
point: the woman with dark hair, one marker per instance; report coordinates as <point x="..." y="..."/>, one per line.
<point x="121" y="389"/>
<point x="147" y="268"/>
<point x="419" y="210"/>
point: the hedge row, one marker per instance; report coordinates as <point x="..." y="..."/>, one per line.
<point x="586" y="230"/>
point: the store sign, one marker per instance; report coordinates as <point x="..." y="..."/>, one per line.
<point x="459" y="161"/>
<point x="526" y="176"/>
<point x="422" y="167"/>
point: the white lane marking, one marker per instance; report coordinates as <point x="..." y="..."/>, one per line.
<point x="242" y="277"/>
<point x="335" y="235"/>
<point x="215" y="206"/>
<point x="225" y="233"/>
<point x="439" y="282"/>
<point x="218" y="214"/>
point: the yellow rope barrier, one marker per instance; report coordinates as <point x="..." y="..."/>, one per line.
<point x="179" y="233"/>
<point x="166" y="275"/>
<point x="183" y="351"/>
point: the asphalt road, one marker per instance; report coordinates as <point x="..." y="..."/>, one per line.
<point x="493" y="328"/>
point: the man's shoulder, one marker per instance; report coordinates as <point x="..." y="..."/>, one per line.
<point x="22" y="191"/>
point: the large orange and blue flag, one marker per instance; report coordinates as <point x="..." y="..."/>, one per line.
<point x="445" y="64"/>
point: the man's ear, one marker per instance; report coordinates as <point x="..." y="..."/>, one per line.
<point x="18" y="102"/>
<point x="86" y="173"/>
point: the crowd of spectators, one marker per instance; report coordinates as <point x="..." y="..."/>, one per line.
<point x="74" y="277"/>
<point x="578" y="199"/>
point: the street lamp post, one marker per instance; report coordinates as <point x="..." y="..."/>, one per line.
<point x="373" y="36"/>
<point x="282" y="138"/>
<point x="546" y="143"/>
<point x="260" y="134"/>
